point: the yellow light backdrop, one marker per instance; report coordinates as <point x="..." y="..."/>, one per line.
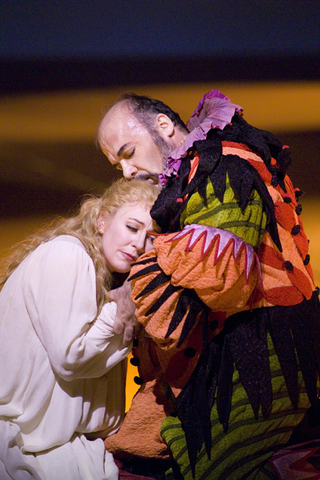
<point x="67" y="116"/>
<point x="285" y="106"/>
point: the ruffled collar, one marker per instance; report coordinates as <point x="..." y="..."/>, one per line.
<point x="214" y="110"/>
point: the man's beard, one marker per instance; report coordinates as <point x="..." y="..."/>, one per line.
<point x="164" y="149"/>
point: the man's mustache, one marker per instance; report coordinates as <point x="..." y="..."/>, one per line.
<point x="150" y="177"/>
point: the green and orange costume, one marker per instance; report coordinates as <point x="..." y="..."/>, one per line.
<point x="230" y="353"/>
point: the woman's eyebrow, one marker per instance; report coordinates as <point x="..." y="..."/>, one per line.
<point x="136" y="220"/>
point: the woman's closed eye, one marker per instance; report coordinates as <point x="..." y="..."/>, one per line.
<point x="132" y="228"/>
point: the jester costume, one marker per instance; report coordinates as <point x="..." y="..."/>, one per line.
<point x="229" y="356"/>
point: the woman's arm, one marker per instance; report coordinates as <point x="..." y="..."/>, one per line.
<point x="60" y="291"/>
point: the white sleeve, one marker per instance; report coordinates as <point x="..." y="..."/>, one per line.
<point x="60" y="291"/>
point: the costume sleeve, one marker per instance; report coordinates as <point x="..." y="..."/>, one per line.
<point x="190" y="270"/>
<point x="60" y="289"/>
<point x="210" y="264"/>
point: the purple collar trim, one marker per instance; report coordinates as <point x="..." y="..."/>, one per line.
<point x="214" y="110"/>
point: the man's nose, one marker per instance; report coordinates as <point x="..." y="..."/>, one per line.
<point x="129" y="171"/>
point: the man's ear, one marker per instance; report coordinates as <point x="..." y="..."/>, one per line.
<point x="101" y="224"/>
<point x="164" y="125"/>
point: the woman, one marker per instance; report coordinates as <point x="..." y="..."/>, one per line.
<point x="62" y="367"/>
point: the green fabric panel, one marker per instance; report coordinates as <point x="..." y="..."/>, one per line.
<point x="244" y="450"/>
<point x="248" y="224"/>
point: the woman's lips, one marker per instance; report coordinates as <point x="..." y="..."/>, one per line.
<point x="129" y="257"/>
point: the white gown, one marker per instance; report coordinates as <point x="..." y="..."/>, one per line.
<point x="62" y="373"/>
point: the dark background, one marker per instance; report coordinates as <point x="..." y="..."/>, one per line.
<point x="146" y="28"/>
<point x="81" y="45"/>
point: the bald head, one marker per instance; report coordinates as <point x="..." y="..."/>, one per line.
<point x="137" y="139"/>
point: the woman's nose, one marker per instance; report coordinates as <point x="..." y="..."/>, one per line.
<point x="140" y="243"/>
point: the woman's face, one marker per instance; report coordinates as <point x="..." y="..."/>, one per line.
<point x="125" y="235"/>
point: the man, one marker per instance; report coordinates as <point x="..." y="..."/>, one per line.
<point x="230" y="354"/>
<point x="139" y="142"/>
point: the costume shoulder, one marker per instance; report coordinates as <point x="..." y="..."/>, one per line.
<point x="224" y="149"/>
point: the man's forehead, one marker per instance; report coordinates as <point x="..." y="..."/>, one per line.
<point x="119" y="113"/>
<point x="109" y="128"/>
<point x="118" y="122"/>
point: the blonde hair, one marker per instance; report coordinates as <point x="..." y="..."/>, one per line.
<point x="84" y="227"/>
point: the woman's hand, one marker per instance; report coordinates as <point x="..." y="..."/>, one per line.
<point x="125" y="321"/>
